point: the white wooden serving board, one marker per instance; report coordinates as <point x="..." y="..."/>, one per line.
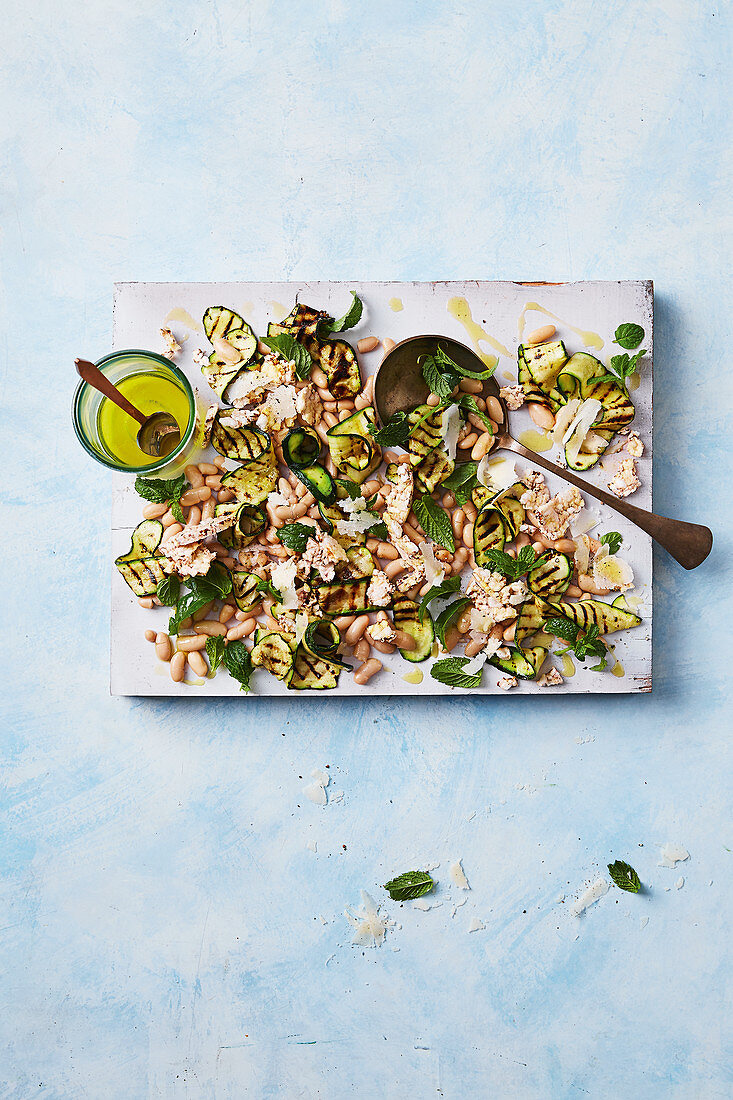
<point x="141" y="309"/>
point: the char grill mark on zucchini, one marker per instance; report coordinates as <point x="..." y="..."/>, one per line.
<point x="434" y="468"/>
<point x="322" y="639"/>
<point x="339" y="363"/>
<point x="605" y="616"/>
<point x="489" y="533"/>
<point x="242" y="444"/>
<point x="253" y="482"/>
<point x="273" y="652"/>
<point x="342" y="597"/>
<point x="247" y="523"/>
<point x="524" y="663"/>
<point x="551" y="576"/>
<point x="245" y="589"/>
<point x="141" y="566"/>
<point x="531" y="616"/>
<point x="361" y="562"/>
<point x="218" y="321"/>
<point x="428" y="436"/>
<point x="407" y="618"/>
<point x="352" y="448"/>
<point x="313" y="673"/>
<point x="480" y="496"/>
<point x="513" y="514"/>
<point x="220" y="374"/>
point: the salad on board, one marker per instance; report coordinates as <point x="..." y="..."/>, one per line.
<point x="315" y="541"/>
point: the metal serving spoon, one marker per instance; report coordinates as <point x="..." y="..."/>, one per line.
<point x="400" y="386"/>
<point x="159" y="433"/>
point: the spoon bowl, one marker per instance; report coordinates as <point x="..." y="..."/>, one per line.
<point x="158" y="434"/>
<point x="400" y="387"/>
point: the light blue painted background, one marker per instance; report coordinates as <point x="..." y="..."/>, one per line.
<point x="159" y="928"/>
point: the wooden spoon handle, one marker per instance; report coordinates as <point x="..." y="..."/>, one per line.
<point x="93" y="376"/>
<point x="688" y="543"/>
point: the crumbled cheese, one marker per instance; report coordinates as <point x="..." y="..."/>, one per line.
<point x="537" y="494"/>
<point x="369" y="928"/>
<point x="434" y="573"/>
<point x="513" y="396"/>
<point x="634" y="445"/>
<point x="278" y="500"/>
<point x="672" y="854"/>
<point x="379" y="592"/>
<point x="309" y="405"/>
<point x="323" y="553"/>
<point x="506" y="683"/>
<point x="238" y="418"/>
<point x="555" y="516"/>
<point x="398" y="495"/>
<point x="458" y="875"/>
<point x="172" y="347"/>
<point x="476" y="925"/>
<point x="625" y="480"/>
<point x="199" y="532"/>
<point x="589" y="897"/>
<point x="280" y="408"/>
<point x="251" y="385"/>
<point x="551" y="678"/>
<point x="312" y="846"/>
<point x="316" y="791"/>
<point x="282" y="576"/>
<point x="360" y="518"/>
<point x="199" y="355"/>
<point x="494" y="599"/>
<point x="613" y="572"/>
<point x="382" y="630"/>
<point x="450" y="426"/>
<point x="424" y="905"/>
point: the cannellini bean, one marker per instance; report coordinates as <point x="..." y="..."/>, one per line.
<point x="369" y="488"/>
<point x="194" y="477"/>
<point x="470" y="385"/>
<point x="470" y="509"/>
<point x="150" y="635"/>
<point x="357" y="628"/>
<point x="463" y="622"/>
<point x="387" y="552"/>
<point x="469" y="441"/>
<point x="404" y="640"/>
<point x="367" y="343"/>
<point x="208" y="469"/>
<point x="226" y="350"/>
<point x="190" y="642"/>
<point x="214" y="482"/>
<point x="508" y="635"/>
<point x="565" y="546"/>
<point x="154" y="511"/>
<point x="449" y="501"/>
<point x="494" y="409"/>
<point x="178" y="667"/>
<point x="362" y="650"/>
<point x="174" y="529"/>
<point x="211" y="629"/>
<point x="481" y="447"/>
<point x="225" y="495"/>
<point x="194" y="516"/>
<point x="367" y="670"/>
<point x="432" y="400"/>
<point x="242" y="631"/>
<point x="522" y="539"/>
<point x="542" y="417"/>
<point x="343" y="622"/>
<point x="395" y="568"/>
<point x="197" y="663"/>
<point x="588" y="584"/>
<point x="472" y="648"/>
<point x="458" y="518"/>
<point x="318" y="377"/>
<point x="163" y="648"/>
<point x="574" y="591"/>
<point x="168" y="519"/>
<point x="387" y="344"/>
<point x="146" y="602"/>
<point x="538" y="546"/>
<point x="467" y="535"/>
<point x="226" y="613"/>
<point x="452" y="638"/>
<point x="208" y="508"/>
<point x="383" y="647"/>
<point x="330" y="418"/>
<point x="546" y="332"/>
<point x="195" y="496"/>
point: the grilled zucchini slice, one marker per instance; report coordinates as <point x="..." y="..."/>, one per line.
<point x="141" y="567"/>
<point x="513" y="514"/>
<point x="318" y="481"/>
<point x="434" y="468"/>
<point x="301" y="447"/>
<point x="338" y="362"/>
<point x="253" y="482"/>
<point x="218" y="321"/>
<point x="342" y="597"/>
<point x="489" y="533"/>
<point x="246" y="590"/>
<point x="352" y="447"/>
<point x="361" y="561"/>
<point x="552" y="576"/>
<point x="605" y="616"/>
<point x="242" y="444"/>
<point x="274" y="653"/>
<point x="427" y="436"/>
<point x="247" y="523"/>
<point x="405" y="613"/>
<point x="532" y="615"/>
<point x="312" y="673"/>
<point x="524" y="663"/>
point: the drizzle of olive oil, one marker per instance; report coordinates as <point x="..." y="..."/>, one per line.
<point x="395" y="304"/>
<point x="634" y="381"/>
<point x="186" y="319"/>
<point x="568" y="668"/>
<point x="590" y="339"/>
<point x="435" y="650"/>
<point x="634" y="602"/>
<point x="278" y="310"/>
<point x="415" y="677"/>
<point x="508" y="376"/>
<point x="618" y="669"/>
<point x="459" y="308"/>
<point x="536" y="441"/>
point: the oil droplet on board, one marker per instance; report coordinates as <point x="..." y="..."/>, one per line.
<point x="618" y="669"/>
<point x="634" y="381"/>
<point x="395" y="304"/>
<point x="415" y="677"/>
<point x="186" y="319"/>
<point x="568" y="668"/>
<point x="633" y="602"/>
<point x="459" y="308"/>
<point x="247" y="308"/>
<point x="590" y="339"/>
<point x="536" y="441"/>
<point x="508" y="376"/>
<point x="540" y="638"/>
<point x="435" y="650"/>
<point x="278" y="310"/>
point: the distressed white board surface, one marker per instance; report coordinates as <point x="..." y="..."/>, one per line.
<point x="141" y="310"/>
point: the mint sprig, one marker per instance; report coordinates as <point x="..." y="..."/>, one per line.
<point x="168" y="591"/>
<point x="158" y="490"/>
<point x="449" y="615"/>
<point x="434" y="521"/>
<point x="582" y="644"/>
<point x="286" y="346"/>
<point x="450" y="672"/>
<point x="440" y="591"/>
<point x="202" y="590"/>
<point x="409" y="886"/>
<point x="394" y="432"/>
<point x="349" y="320"/>
<point x="295" y="536"/>
<point x="514" y="568"/>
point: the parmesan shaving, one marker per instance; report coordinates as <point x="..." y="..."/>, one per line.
<point x="369" y="928"/>
<point x="282" y="575"/>
<point x="458" y="876"/>
<point x="584" y="522"/>
<point x="672" y="854"/>
<point x="613" y="572"/>
<point x="564" y="418"/>
<point x="434" y="573"/>
<point x="496" y="473"/>
<point x="450" y="427"/>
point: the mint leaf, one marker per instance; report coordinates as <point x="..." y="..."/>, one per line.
<point x="448" y="616"/>
<point x="202" y="590"/>
<point x="624" y="877"/>
<point x="409" y="886"/>
<point x="285" y="345"/>
<point x="434" y="521"/>
<point x="628" y="336"/>
<point x="438" y="592"/>
<point x="177" y="512"/>
<point x="449" y="672"/>
<point x="295" y="536"/>
<point x="349" y="319"/>
<point x="238" y="663"/>
<point x="562" y="628"/>
<point x="394" y="432"/>
<point x="514" y="568"/>
<point x="463" y="473"/>
<point x="168" y="591"/>
<point x="469" y="402"/>
<point x="613" y="540"/>
<point x="215" y="651"/>
<point x="158" y="490"/>
<point x="446" y="363"/>
<point x="437" y="381"/>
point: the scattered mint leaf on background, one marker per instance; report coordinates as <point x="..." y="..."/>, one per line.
<point x="349" y="320"/>
<point x="409" y="886"/>
<point x="613" y="540"/>
<point x="628" y="336"/>
<point x="624" y="877"/>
